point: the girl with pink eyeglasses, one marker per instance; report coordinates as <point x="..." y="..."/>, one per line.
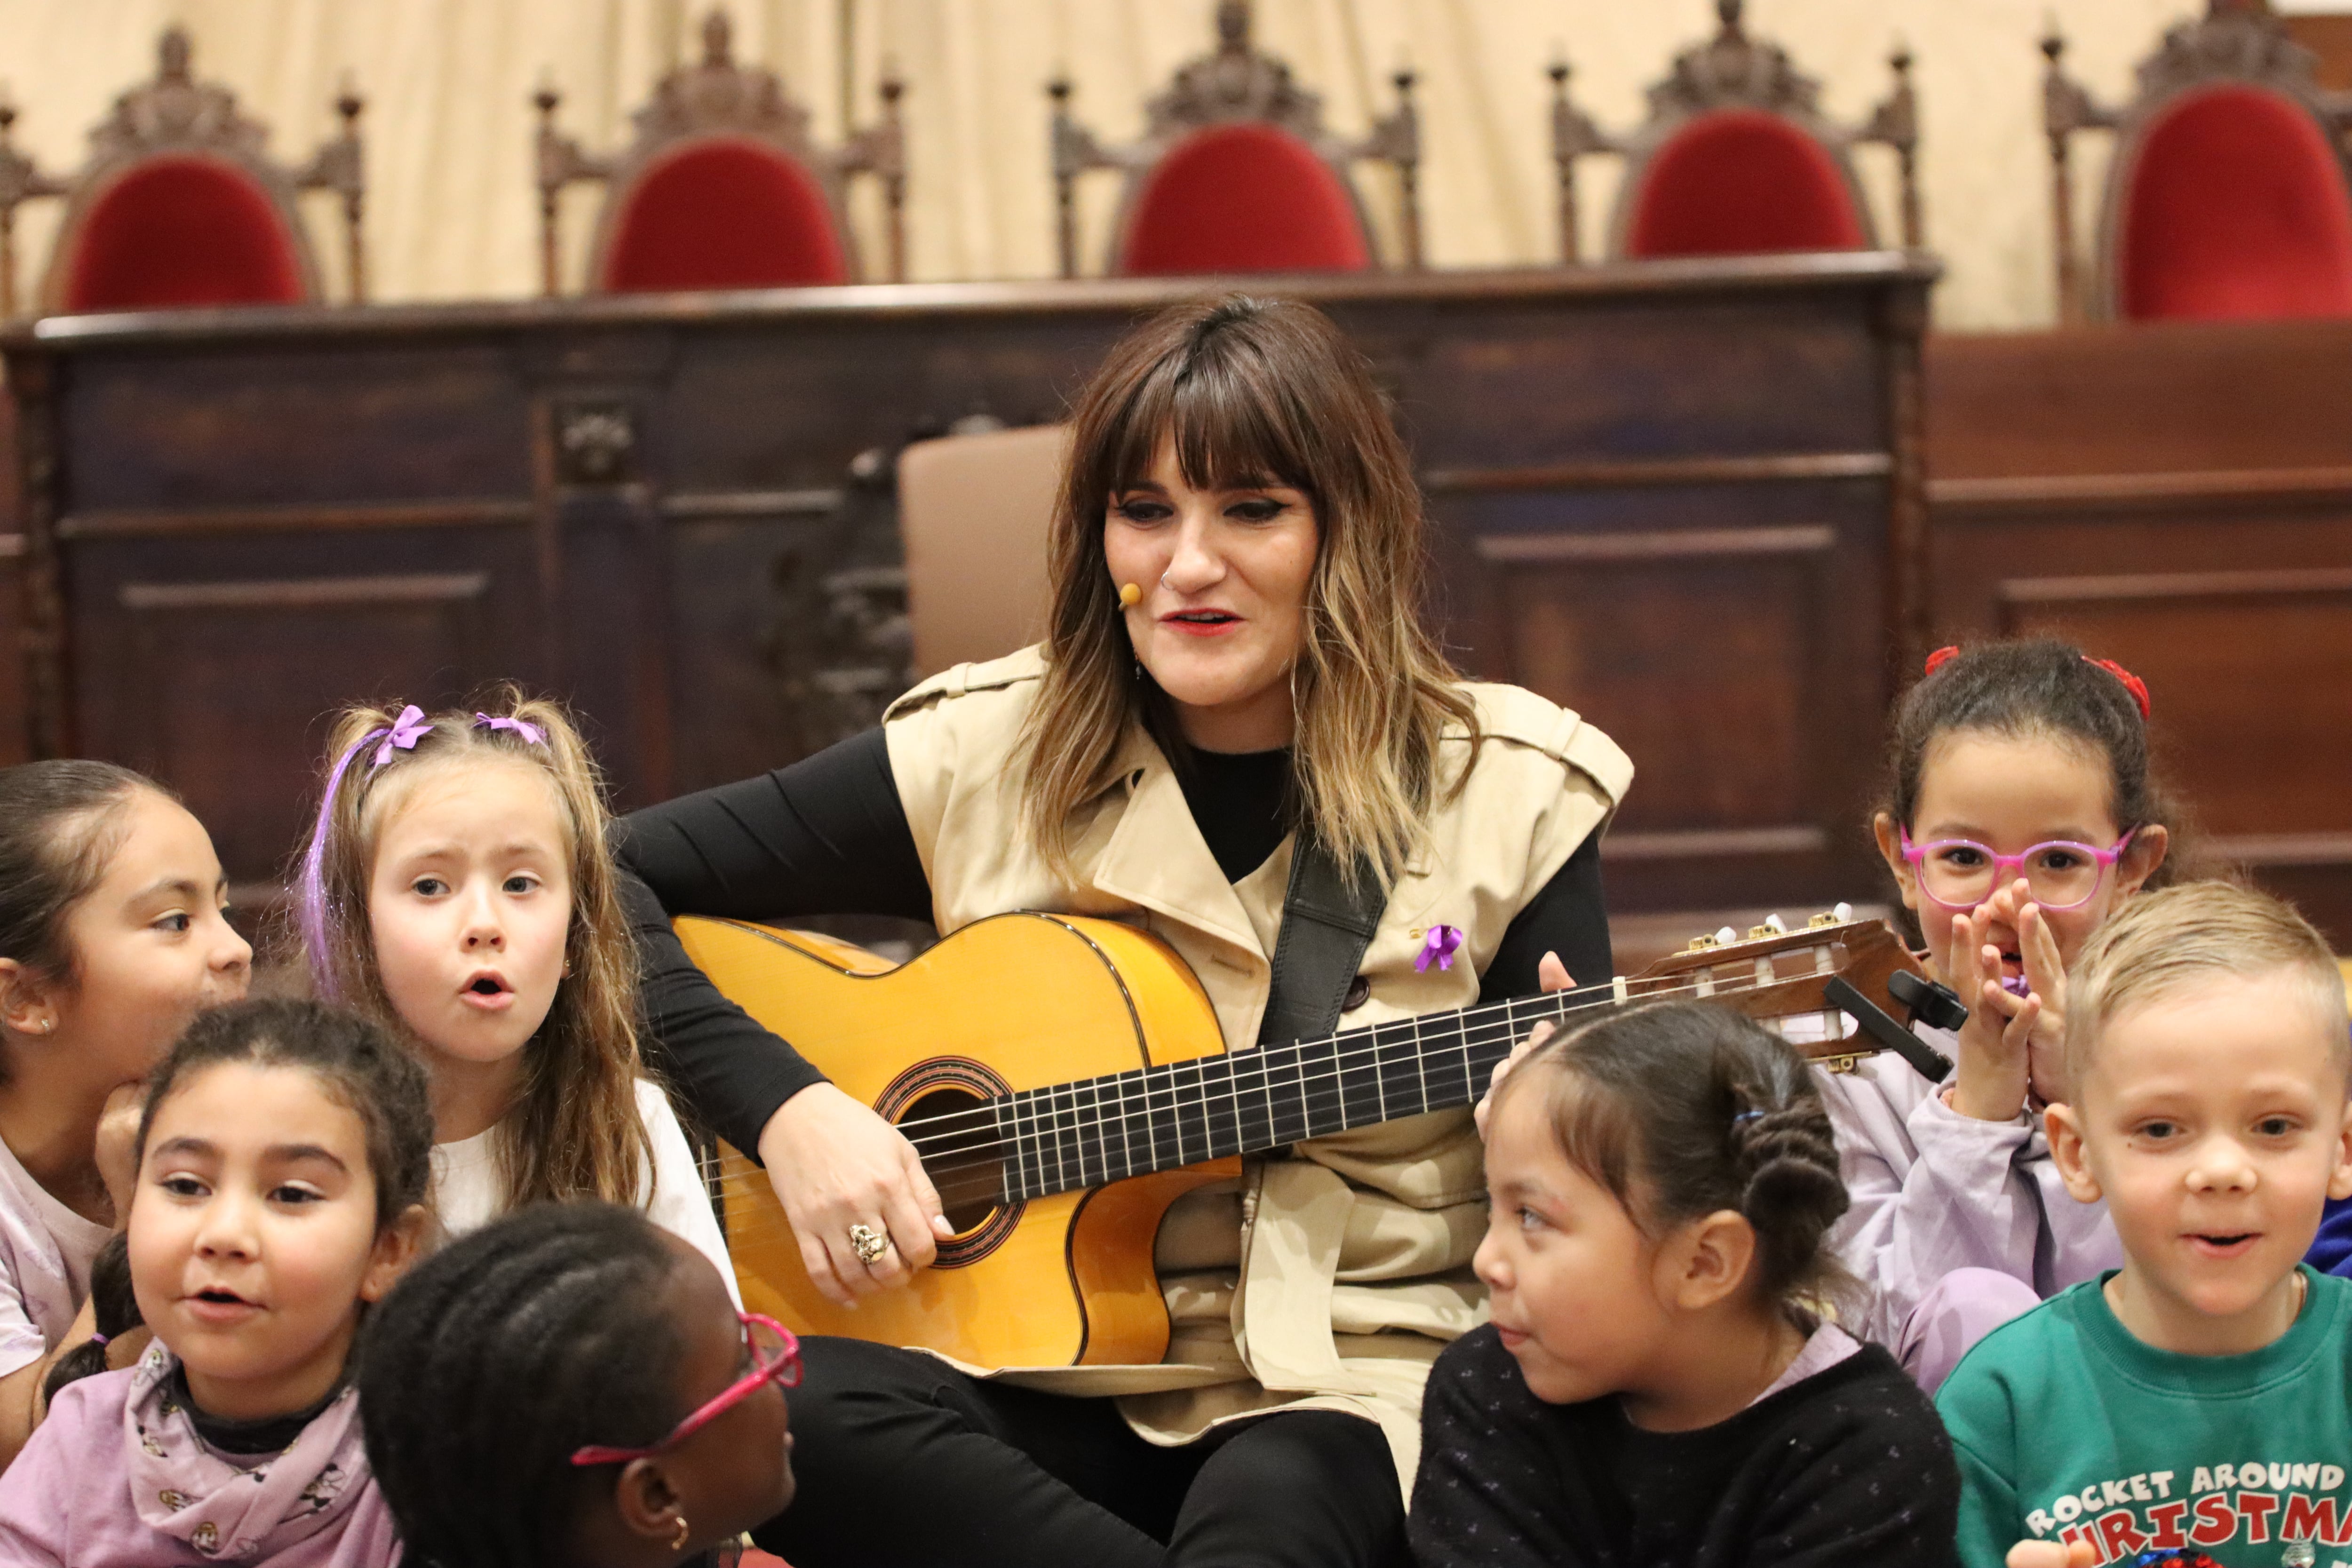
<point x="2019" y="814"/>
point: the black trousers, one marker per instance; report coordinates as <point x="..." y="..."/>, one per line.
<point x="904" y="1460"/>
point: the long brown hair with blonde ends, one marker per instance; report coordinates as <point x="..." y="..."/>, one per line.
<point x="1253" y="392"/>
<point x="573" y="1130"/>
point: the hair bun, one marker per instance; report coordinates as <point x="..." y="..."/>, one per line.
<point x="1791" y="1192"/>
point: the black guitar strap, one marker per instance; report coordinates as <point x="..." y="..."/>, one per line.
<point x="1328" y="920"/>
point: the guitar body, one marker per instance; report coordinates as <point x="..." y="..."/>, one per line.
<point x="1016" y="1002"/>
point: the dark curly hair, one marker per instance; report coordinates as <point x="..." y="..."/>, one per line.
<point x="2036" y="686"/>
<point x="359" y="1067"/>
<point x="494" y="1360"/>
<point x="1685" y="1108"/>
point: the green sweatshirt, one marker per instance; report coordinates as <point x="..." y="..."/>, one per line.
<point x="2068" y="1428"/>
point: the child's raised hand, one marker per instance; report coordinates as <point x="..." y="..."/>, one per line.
<point x="1994" y="1065"/>
<point x="117" y="1144"/>
<point x="2051" y="1554"/>
<point x="1552" y="975"/>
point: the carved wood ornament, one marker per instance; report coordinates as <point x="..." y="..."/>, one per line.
<point x="718" y="97"/>
<point x="1239" y="82"/>
<point x="2236" y="41"/>
<point x="1735" y="69"/>
<point x="177" y="114"/>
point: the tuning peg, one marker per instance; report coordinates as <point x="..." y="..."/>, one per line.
<point x="1826" y="918"/>
<point x="1725" y="937"/>
<point x="1702" y="942"/>
<point x="1843" y="911"/>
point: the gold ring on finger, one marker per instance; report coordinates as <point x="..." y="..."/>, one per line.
<point x="868" y="1243"/>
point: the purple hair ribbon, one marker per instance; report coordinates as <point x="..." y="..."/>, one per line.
<point x="405" y="731"/>
<point x="530" y="731"/>
<point x="1444" y="942"/>
<point x="314" y="863"/>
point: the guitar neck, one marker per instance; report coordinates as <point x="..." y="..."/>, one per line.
<point x="1082" y="1134"/>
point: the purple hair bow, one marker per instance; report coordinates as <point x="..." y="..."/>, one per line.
<point x="405" y="731"/>
<point x="531" y="733"/>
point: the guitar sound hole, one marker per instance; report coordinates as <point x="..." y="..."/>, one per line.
<point x="962" y="1156"/>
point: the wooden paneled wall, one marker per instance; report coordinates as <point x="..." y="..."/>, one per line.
<point x="1683" y="498"/>
<point x="2177" y="497"/>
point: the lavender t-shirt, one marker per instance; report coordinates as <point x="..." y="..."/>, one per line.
<point x="45" y="1255"/>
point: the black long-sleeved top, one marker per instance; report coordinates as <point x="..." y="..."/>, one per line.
<point x="827" y="835"/>
<point x="1847" y="1469"/>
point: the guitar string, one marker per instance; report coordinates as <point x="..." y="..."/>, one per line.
<point x="1486" y="1016"/>
<point x="989" y="1191"/>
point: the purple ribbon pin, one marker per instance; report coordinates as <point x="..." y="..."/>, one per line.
<point x="1444" y="942"/>
<point x="2016" y="985"/>
<point x="405" y="731"/>
<point x="530" y="731"/>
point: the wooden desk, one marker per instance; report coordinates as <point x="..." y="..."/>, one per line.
<point x="2177" y="497"/>
<point x="1682" y="498"/>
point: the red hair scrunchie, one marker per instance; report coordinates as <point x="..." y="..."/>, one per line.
<point x="2132" y="683"/>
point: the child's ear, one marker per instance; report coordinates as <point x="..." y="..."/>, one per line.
<point x="1708" y="1259"/>
<point x="1890" y="849"/>
<point x="2145" y="853"/>
<point x="2064" y="1126"/>
<point x="397" y="1247"/>
<point x="646" y="1500"/>
<point x="2339" y="1180"/>
<point x="27" y="1006"/>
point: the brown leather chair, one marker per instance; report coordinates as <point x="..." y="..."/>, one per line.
<point x="180" y="203"/>
<point x="1236" y="173"/>
<point x="973" y="512"/>
<point x="724" y="187"/>
<point x="1737" y="157"/>
<point x="2227" y="194"/>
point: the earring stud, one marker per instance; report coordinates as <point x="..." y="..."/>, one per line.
<point x="1129" y="595"/>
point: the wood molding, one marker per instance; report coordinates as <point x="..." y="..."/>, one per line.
<point x="299" y="517"/>
<point x="1715" y="843"/>
<point x="11" y="546"/>
<point x="722" y="312"/>
<point x="1647" y="473"/>
<point x="2121" y="586"/>
<point x="813" y="502"/>
<point x="2282" y="849"/>
<point x="2195" y="489"/>
<point x="306" y="592"/>
<point x="1556" y="549"/>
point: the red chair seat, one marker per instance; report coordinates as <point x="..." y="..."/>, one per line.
<point x="723" y="212"/>
<point x="182" y="229"/>
<point x="1244" y="197"/>
<point x="2236" y="207"/>
<point x="1740" y="182"/>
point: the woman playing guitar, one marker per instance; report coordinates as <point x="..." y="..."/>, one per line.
<point x="1233" y="697"/>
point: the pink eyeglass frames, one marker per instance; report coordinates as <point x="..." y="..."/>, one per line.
<point x="775" y="1358"/>
<point x="1960" y="873"/>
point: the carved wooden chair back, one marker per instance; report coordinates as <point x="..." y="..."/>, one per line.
<point x="1737" y="157"/>
<point x="724" y="186"/>
<point x="180" y="203"/>
<point x="1235" y="172"/>
<point x="2228" y="193"/>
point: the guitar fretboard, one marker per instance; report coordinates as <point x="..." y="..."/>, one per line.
<point x="1082" y="1134"/>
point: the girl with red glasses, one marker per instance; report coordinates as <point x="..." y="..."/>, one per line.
<point x="574" y="1386"/>
<point x="2019" y="814"/>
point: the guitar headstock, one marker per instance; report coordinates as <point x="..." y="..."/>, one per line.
<point x="1778" y="975"/>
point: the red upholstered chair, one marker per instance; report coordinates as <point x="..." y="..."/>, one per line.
<point x="724" y="187"/>
<point x="180" y="205"/>
<point x="1236" y="173"/>
<point x="1736" y="158"/>
<point x="2227" y="195"/>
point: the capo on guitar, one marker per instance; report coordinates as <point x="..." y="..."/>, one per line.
<point x="1925" y="999"/>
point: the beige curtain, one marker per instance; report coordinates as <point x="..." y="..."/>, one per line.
<point x="451" y="213"/>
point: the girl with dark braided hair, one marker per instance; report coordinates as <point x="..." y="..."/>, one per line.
<point x="1661" y="1381"/>
<point x="573" y="1385"/>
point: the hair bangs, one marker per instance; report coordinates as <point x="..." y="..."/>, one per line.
<point x="1224" y="424"/>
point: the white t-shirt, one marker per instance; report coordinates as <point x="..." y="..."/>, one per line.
<point x="469" y="1191"/>
<point x="45" y="1253"/>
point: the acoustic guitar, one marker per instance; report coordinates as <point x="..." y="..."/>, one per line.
<point x="1064" y="1081"/>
